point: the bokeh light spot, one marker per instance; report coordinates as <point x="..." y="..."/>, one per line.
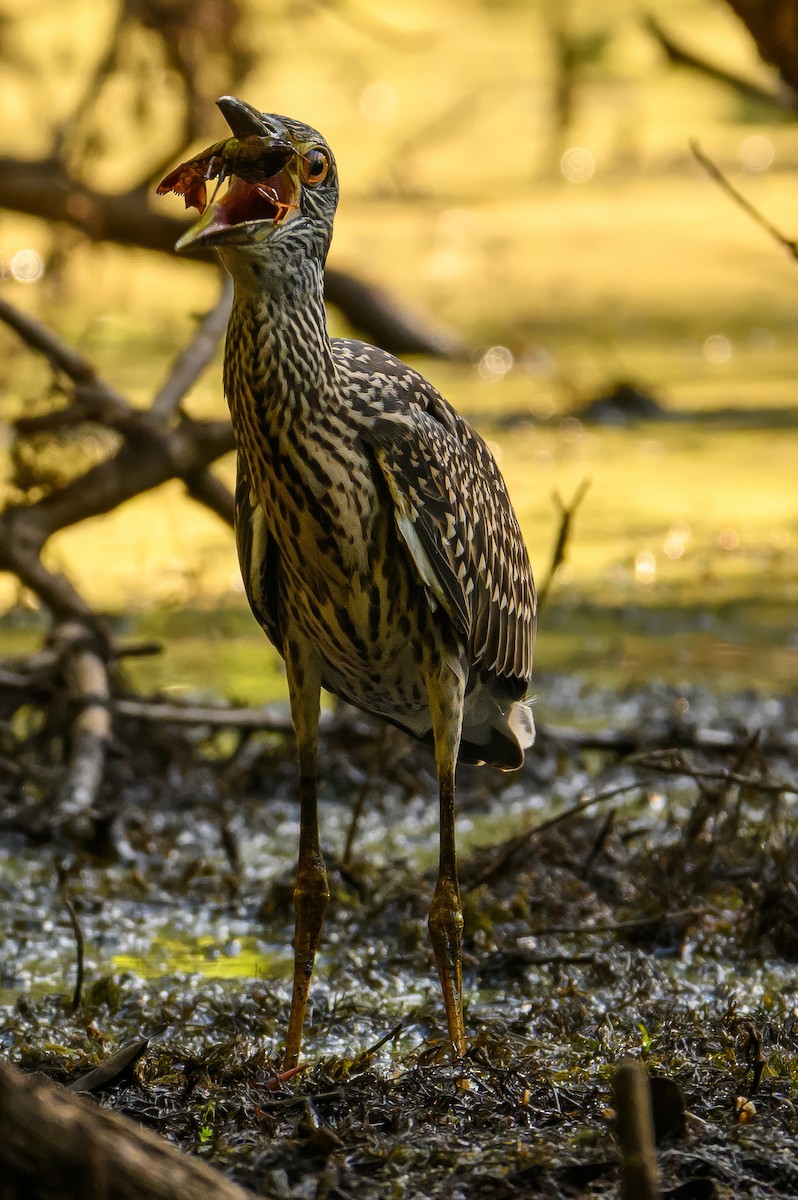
<point x="379" y="102"/>
<point x="578" y="165"/>
<point x="756" y="152"/>
<point x="717" y="349"/>
<point x="571" y="429"/>
<point x="728" y="539"/>
<point x="676" y="539"/>
<point x="646" y="568"/>
<point x="27" y="266"/>
<point x="495" y="363"/>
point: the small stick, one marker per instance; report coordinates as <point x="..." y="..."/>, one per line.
<point x="567" y="514"/>
<point x="63" y="892"/>
<point x="511" y="848"/>
<point x="678" y="914"/>
<point x="755" y="1056"/>
<point x="363" y="792"/>
<point x="714" y="172"/>
<point x="635" y="1130"/>
<point x="668" y="762"/>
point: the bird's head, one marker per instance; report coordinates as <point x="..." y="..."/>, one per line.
<point x="282" y="194"/>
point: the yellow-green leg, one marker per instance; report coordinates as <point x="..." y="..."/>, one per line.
<point x="311" y="891"/>
<point x="445" y="690"/>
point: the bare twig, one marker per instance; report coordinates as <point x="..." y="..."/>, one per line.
<point x="363" y="792"/>
<point x="680" y="914"/>
<point x="567" y="514"/>
<point x="673" y="762"/>
<point x="512" y="846"/>
<point x="754" y="1056"/>
<point x="635" y="1130"/>
<point x="714" y="171"/>
<point x="627" y="741"/>
<point x="77" y="930"/>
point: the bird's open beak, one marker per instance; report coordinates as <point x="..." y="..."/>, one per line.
<point x="264" y="185"/>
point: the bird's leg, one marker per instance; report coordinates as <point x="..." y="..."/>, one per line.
<point x="445" y="691"/>
<point x="311" y="891"/>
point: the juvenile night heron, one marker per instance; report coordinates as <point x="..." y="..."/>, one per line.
<point x="378" y="545"/>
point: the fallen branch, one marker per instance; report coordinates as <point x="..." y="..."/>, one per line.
<point x="625" y="742"/>
<point x="60" y="1146"/>
<point x="89" y="693"/>
<point x="264" y="720"/>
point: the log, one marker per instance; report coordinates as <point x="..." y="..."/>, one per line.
<point x="57" y="1145"/>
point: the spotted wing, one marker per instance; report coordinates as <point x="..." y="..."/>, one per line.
<point x="259" y="559"/>
<point x="454" y="514"/>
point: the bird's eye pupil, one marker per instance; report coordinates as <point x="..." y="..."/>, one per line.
<point x="316" y="166"/>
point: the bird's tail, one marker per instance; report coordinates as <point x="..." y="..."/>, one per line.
<point x="497" y="731"/>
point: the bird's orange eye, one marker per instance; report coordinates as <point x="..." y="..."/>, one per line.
<point x="314" y="166"/>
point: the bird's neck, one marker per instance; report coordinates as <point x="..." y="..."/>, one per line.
<point x="279" y="364"/>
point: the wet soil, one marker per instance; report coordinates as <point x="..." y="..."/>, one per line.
<point x="659" y="922"/>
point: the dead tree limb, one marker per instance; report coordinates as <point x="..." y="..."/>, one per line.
<point x="45" y="189"/>
<point x="60" y="1145"/>
<point x="773" y="27"/>
<point x="152" y="453"/>
<point x="680" y="55"/>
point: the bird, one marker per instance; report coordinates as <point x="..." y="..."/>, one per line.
<point x="378" y="545"/>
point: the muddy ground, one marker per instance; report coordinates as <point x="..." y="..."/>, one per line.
<point x="659" y="922"/>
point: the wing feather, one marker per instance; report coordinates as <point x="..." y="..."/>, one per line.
<point x="455" y="517"/>
<point x="259" y="559"/>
